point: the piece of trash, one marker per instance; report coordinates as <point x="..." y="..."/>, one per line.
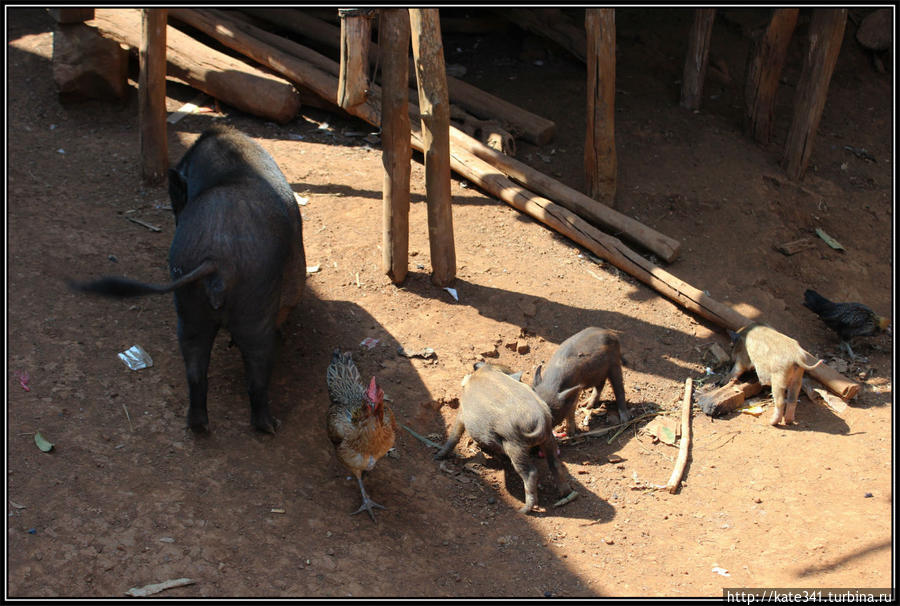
<point x="136" y="358"/>
<point x="721" y="571"/>
<point x="324" y="126"/>
<point x="60" y="151"/>
<point x="868" y="495"/>
<point x="191" y="107"/>
<point x="300" y="199"/>
<point x="752" y="410"/>
<point x="312" y="269"/>
<point x="16" y="505"/>
<point x="140" y="592"/>
<point x="829" y="240"/>
<point x="277" y="510"/>
<point x="42" y="442"/>
<point x="425" y="353"/>
<point x="23" y="380"/>
<point x="166" y="540"/>
<point x="452" y="292"/>
<point x="369" y="343"/>
<point x="32" y="531"/>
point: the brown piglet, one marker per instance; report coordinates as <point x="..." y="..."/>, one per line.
<point x="584" y="360"/>
<point x="505" y="416"/>
<point x="779" y="361"/>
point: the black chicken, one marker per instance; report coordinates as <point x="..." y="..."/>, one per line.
<point x="848" y="320"/>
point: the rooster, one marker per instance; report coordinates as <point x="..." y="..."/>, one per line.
<point x="360" y="425"/>
<point x="848" y="320"/>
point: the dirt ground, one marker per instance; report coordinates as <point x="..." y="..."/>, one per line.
<point x="129" y="496"/>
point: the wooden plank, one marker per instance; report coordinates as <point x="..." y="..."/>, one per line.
<point x="356" y="34"/>
<point x="434" y="104"/>
<point x="230" y="80"/>
<point x="768" y="55"/>
<point x="697" y="57"/>
<point x="395" y="143"/>
<point x="826" y="33"/>
<point x="524" y="124"/>
<point x="152" y="97"/>
<point x="600" y="162"/>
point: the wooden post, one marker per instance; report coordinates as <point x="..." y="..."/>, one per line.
<point x="356" y="34"/>
<point x="393" y="32"/>
<point x="152" y="97"/>
<point x="764" y="71"/>
<point x="434" y="105"/>
<point x="826" y="32"/>
<point x="600" y="135"/>
<point x="697" y="56"/>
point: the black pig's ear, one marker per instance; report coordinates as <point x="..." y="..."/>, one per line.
<point x="177" y="191"/>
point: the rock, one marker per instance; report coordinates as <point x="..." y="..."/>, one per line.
<point x="876" y="30"/>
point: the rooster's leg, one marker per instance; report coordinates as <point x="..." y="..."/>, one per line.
<point x="367" y="503"/>
<point x="845" y="345"/>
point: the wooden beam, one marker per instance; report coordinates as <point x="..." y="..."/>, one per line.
<point x="356" y="35"/>
<point x="697" y="57"/>
<point x="767" y="57"/>
<point x="152" y="97"/>
<point x="600" y="162"/>
<point x="434" y="107"/>
<point x="395" y="142"/>
<point x="221" y="76"/>
<point x="521" y="122"/>
<point x="826" y="33"/>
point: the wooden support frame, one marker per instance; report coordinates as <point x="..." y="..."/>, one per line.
<point x="600" y="163"/>
<point x="826" y="33"/>
<point x="767" y="57"/>
<point x="394" y="35"/>
<point x="434" y="107"/>
<point x="152" y="97"/>
<point x="697" y="58"/>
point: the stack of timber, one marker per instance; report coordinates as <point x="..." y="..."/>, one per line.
<point x="234" y="82"/>
<point x="469" y="158"/>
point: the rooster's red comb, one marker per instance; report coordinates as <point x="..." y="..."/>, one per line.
<point x="374" y="393"/>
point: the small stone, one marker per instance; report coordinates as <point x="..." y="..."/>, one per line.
<point x="869" y="495"/>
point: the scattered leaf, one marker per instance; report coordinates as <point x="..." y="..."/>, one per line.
<point x="42" y="442"/>
<point x="829" y="240"/>
<point x="755" y="410"/>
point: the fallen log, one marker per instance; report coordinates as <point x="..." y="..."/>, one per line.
<point x="523" y="123"/>
<point x="727" y="398"/>
<point x="234" y="82"/>
<point x="499" y="185"/>
<point x="613" y="221"/>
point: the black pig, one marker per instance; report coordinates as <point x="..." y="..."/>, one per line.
<point x="236" y="260"/>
